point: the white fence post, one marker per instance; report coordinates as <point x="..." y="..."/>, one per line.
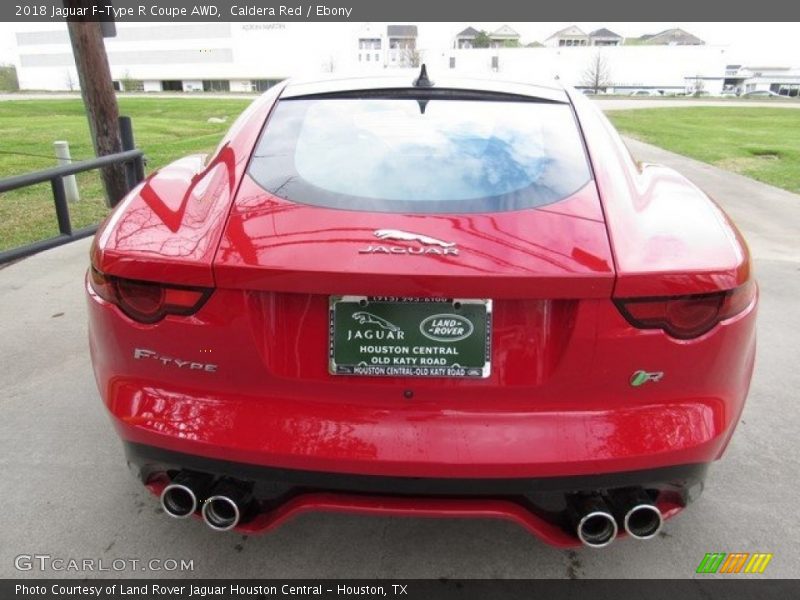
<point x="64" y="158"/>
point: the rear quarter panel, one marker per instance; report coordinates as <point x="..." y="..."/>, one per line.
<point x="667" y="236"/>
<point x="169" y="226"/>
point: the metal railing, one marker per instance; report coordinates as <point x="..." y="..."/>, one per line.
<point x="130" y="157"/>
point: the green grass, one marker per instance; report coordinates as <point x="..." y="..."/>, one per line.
<point x="762" y="143"/>
<point x="166" y="129"/>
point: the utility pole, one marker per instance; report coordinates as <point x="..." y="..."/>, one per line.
<point x="98" y="95"/>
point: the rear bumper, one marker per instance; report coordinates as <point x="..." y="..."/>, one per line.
<point x="536" y="504"/>
<point x="411" y="441"/>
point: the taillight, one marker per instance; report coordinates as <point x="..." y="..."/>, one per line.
<point x="686" y="317"/>
<point x="148" y="302"/>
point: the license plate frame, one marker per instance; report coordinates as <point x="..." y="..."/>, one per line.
<point x="410" y="337"/>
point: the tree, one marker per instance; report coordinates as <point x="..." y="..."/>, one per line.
<point x="699" y="86"/>
<point x="129" y="84"/>
<point x="69" y="81"/>
<point x="329" y="65"/>
<point x="411" y="57"/>
<point x="597" y="76"/>
<point x="8" y="78"/>
<point x="482" y="40"/>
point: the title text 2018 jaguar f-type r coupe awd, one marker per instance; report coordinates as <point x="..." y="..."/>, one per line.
<point x="456" y="298"/>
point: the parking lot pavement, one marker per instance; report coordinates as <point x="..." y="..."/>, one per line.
<point x="67" y="493"/>
<point x="617" y="103"/>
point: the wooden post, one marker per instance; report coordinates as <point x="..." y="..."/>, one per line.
<point x="99" y="99"/>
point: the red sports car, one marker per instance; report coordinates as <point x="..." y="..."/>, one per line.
<point x="455" y="298"/>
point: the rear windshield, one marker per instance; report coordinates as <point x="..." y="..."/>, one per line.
<point x="420" y="156"/>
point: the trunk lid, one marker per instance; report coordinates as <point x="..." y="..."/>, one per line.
<point x="558" y="251"/>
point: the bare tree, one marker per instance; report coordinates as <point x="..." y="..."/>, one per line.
<point x="411" y="57"/>
<point x="69" y="81"/>
<point x="329" y="65"/>
<point x="699" y="86"/>
<point x="597" y="75"/>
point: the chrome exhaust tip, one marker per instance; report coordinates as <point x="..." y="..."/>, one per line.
<point x="643" y="521"/>
<point x="225" y="507"/>
<point x="221" y="513"/>
<point x="637" y="513"/>
<point x="179" y="499"/>
<point x="597" y="529"/>
<point x="595" y="526"/>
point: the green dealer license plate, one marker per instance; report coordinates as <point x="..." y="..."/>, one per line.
<point x="410" y="337"/>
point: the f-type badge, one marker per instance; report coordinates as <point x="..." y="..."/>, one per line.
<point x="419" y="244"/>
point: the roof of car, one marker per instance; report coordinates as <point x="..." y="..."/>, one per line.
<point x="404" y="79"/>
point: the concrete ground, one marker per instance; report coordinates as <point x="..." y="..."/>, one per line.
<point x="67" y="493"/>
<point x="621" y="103"/>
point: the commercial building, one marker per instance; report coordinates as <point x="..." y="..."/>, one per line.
<point x="250" y="57"/>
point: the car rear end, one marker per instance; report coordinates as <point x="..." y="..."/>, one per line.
<point x="411" y="308"/>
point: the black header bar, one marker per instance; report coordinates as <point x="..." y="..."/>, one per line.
<point x="405" y="10"/>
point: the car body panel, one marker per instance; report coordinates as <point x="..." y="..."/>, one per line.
<point x="668" y="237"/>
<point x="557" y="403"/>
<point x="273" y="244"/>
<point x="169" y="226"/>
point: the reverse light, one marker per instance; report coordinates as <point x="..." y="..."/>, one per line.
<point x="686" y="317"/>
<point x="147" y="302"/>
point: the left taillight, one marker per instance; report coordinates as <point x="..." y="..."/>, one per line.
<point x="145" y="301"/>
<point x="686" y="317"/>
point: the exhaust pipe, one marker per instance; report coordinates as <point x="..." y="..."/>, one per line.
<point x="225" y="507"/>
<point x="180" y="498"/>
<point x="594" y="524"/>
<point x="641" y="518"/>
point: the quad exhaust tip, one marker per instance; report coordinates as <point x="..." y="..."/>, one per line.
<point x="221" y="513"/>
<point x="228" y="503"/>
<point x="178" y="500"/>
<point x="643" y="521"/>
<point x="593" y="520"/>
<point x="597" y="529"/>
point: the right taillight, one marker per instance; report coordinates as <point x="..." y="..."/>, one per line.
<point x="686" y="317"/>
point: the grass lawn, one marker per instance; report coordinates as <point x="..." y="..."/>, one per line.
<point x="165" y="129"/>
<point x="762" y="143"/>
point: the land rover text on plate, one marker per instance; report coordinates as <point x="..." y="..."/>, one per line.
<point x="455" y="298"/>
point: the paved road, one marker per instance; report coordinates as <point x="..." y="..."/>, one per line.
<point x="66" y="491"/>
<point x="634" y="103"/>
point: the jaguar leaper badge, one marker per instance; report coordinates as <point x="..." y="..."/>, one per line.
<point x="419" y="244"/>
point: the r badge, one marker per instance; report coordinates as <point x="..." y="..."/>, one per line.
<point x="642" y="377"/>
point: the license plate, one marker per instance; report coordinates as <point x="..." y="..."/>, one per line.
<point x="410" y="337"/>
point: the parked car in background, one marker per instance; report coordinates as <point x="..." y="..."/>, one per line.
<point x="762" y="94"/>
<point x="393" y="295"/>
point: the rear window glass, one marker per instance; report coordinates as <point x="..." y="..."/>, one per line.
<point x="420" y="156"/>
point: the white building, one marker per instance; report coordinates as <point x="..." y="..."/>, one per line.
<point x="384" y="46"/>
<point x="661" y="69"/>
<point x="243" y="57"/>
<point x="189" y="57"/>
<point x="739" y="79"/>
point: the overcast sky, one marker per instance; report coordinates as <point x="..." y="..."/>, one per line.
<point x="776" y="43"/>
